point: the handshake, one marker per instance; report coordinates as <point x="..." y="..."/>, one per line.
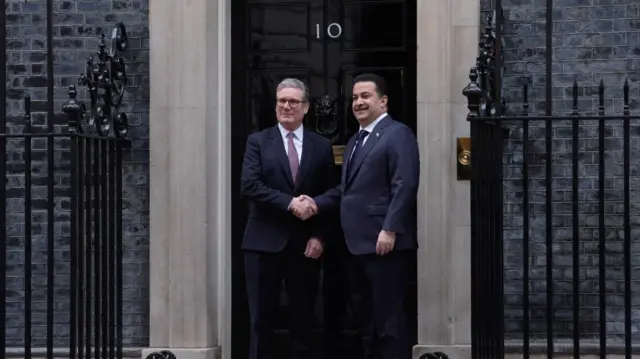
<point x="303" y="207"/>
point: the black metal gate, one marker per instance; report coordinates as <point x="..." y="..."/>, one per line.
<point x="62" y="193"/>
<point x="575" y="209"/>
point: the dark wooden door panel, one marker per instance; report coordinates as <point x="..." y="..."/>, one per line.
<point x="269" y="33"/>
<point x="325" y="43"/>
<point x="374" y="25"/>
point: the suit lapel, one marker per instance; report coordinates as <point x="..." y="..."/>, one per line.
<point x="307" y="156"/>
<point x="369" y="143"/>
<point x="277" y="145"/>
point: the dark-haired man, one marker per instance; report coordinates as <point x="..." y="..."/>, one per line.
<point x="376" y="197"/>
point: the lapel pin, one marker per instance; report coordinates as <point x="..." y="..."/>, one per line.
<point x="377" y="134"/>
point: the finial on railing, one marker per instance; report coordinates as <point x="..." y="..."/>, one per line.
<point x="73" y="110"/>
<point x="473" y="93"/>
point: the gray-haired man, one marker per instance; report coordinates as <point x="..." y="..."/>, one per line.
<point x="280" y="164"/>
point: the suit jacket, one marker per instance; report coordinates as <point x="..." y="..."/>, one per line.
<point x="381" y="191"/>
<point x="267" y="184"/>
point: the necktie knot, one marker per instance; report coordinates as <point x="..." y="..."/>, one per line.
<point x="362" y="135"/>
<point x="290" y="135"/>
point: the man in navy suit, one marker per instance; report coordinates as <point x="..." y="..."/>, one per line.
<point x="376" y="197"/>
<point x="280" y="164"/>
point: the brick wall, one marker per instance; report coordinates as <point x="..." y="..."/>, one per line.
<point x="593" y="40"/>
<point x="77" y="24"/>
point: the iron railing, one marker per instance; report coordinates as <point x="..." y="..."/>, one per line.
<point x="61" y="248"/>
<point x="574" y="206"/>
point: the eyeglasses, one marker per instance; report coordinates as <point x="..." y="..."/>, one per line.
<point x="292" y="103"/>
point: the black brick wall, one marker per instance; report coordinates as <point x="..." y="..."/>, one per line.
<point x="593" y="40"/>
<point x="77" y="24"/>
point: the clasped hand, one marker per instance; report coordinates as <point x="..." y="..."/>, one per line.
<point x="303" y="207"/>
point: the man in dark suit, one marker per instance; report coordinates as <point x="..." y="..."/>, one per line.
<point x="376" y="198"/>
<point x="280" y="164"/>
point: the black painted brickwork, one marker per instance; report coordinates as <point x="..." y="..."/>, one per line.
<point x="77" y="24"/>
<point x="593" y="40"/>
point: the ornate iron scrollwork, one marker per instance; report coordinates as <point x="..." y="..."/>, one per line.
<point x="435" y="355"/>
<point x="163" y="354"/>
<point x="105" y="80"/>
<point x="484" y="92"/>
<point x="325" y="110"/>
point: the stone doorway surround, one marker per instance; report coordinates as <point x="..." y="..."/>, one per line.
<point x="190" y="155"/>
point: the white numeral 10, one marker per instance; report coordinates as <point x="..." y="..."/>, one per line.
<point x="334" y="30"/>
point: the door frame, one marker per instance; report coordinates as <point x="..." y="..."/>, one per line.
<point x="240" y="130"/>
<point x="196" y="82"/>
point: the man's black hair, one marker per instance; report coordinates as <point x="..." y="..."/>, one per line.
<point x="379" y="81"/>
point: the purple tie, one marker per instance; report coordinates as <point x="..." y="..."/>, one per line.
<point x="293" y="157"/>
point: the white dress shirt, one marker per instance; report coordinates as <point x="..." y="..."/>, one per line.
<point x="297" y="139"/>
<point x="370" y="127"/>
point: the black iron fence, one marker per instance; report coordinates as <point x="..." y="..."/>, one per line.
<point x="553" y="214"/>
<point x="96" y="262"/>
<point x="61" y="248"/>
<point x="597" y="207"/>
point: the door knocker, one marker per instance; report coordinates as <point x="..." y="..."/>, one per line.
<point x="325" y="110"/>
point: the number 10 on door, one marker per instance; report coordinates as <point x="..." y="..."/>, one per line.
<point x="334" y="30"/>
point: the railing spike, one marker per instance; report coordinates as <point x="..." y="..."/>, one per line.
<point x="575" y="96"/>
<point x="27" y="107"/>
<point x="625" y="91"/>
<point x="601" y="96"/>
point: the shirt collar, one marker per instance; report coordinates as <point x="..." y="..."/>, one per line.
<point x="373" y="124"/>
<point x="298" y="132"/>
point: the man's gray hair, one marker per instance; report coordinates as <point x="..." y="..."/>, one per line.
<point x="296" y="84"/>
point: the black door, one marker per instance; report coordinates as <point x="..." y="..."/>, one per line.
<point x="325" y="43"/>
